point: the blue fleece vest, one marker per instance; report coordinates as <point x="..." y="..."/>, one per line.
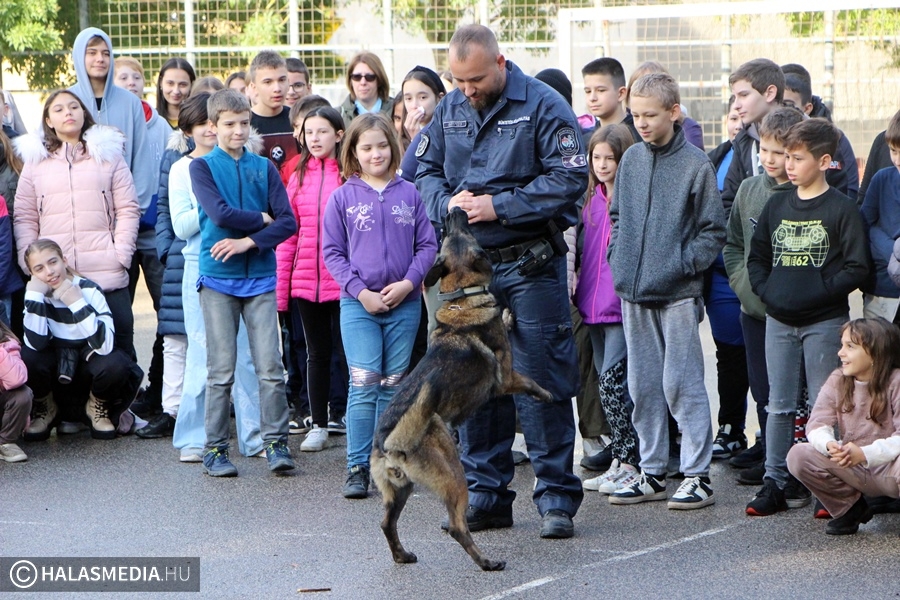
<point x="242" y="184"/>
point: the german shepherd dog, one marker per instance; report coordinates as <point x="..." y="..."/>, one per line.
<point x="468" y="362"/>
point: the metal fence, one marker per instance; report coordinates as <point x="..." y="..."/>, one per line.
<point x="850" y="47"/>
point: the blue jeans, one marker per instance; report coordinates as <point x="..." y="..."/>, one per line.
<point x="544" y="349"/>
<point x="378" y="348"/>
<point x="812" y="349"/>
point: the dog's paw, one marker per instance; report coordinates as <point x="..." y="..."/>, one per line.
<point x="543" y="395"/>
<point x="492" y="565"/>
<point x="508" y="319"/>
<point x="405" y="557"/>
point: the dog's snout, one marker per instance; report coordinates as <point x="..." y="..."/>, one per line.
<point x="457" y="220"/>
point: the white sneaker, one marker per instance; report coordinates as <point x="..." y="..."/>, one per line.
<point x="191" y="455"/>
<point x="12" y="453"/>
<point x="611" y="474"/>
<point x="692" y="493"/>
<point x="626" y="476"/>
<point x="316" y="439"/>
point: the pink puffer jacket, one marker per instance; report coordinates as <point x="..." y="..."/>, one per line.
<point x="301" y="268"/>
<point x="83" y="198"/>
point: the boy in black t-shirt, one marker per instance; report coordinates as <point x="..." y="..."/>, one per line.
<point x="808" y="252"/>
<point x="268" y="79"/>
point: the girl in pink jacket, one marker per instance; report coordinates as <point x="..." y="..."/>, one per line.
<point x="862" y="400"/>
<point x="305" y="287"/>
<point x="76" y="189"/>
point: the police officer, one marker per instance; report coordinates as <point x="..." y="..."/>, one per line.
<point x="505" y="148"/>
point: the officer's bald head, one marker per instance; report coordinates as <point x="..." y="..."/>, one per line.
<point x="469" y="35"/>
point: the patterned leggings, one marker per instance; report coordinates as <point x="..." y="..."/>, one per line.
<point x="610" y="361"/>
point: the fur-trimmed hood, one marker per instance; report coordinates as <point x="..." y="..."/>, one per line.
<point x="179" y="142"/>
<point x="101" y="142"/>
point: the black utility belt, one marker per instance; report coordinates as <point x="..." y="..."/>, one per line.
<point x="528" y="256"/>
<point x="509" y="253"/>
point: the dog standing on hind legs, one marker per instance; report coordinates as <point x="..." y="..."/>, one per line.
<point x="468" y="362"/>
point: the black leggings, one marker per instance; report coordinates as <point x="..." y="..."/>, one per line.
<point x="322" y="329"/>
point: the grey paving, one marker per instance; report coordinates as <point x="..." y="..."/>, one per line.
<point x="267" y="536"/>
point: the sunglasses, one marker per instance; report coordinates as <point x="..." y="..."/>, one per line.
<point x="370" y="77"/>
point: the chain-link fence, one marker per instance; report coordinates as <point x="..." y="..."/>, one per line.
<point x="850" y="47"/>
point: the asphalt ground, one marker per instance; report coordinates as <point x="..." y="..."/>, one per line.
<point x="293" y="536"/>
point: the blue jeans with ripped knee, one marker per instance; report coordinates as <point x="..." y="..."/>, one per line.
<point x="378" y="348"/>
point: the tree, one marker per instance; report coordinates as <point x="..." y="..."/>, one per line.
<point x="880" y="25"/>
<point x="28" y="26"/>
<point x="511" y="20"/>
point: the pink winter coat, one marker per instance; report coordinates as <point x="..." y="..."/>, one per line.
<point x="83" y="198"/>
<point x="13" y="373"/>
<point x="301" y="268"/>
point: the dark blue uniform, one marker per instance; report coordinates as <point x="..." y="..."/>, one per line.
<point x="527" y="153"/>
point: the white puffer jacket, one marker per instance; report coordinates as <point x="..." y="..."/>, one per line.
<point x="82" y="197"/>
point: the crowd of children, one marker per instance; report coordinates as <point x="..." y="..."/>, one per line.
<point x="258" y="207"/>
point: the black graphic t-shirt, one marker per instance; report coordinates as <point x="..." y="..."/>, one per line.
<point x="806" y="256"/>
<point x="279" y="144"/>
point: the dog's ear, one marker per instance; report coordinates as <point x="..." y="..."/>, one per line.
<point x="435" y="272"/>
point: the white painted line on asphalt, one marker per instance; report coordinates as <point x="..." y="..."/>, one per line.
<point x="524" y="587"/>
<point x="624" y="556"/>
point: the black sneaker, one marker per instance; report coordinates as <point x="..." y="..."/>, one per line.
<point x="557" y="524"/>
<point x="795" y="493"/>
<point x="753" y="475"/>
<point x="148" y="402"/>
<point x="278" y="455"/>
<point x="357" y="484"/>
<point x="768" y="501"/>
<point x="849" y="522"/>
<point x="751" y="457"/>
<point x="162" y="425"/>
<point x="479" y="520"/>
<point x="728" y="443"/>
<point x="337" y="424"/>
<point x="883" y="505"/>
<point x="598" y="462"/>
<point x="216" y="463"/>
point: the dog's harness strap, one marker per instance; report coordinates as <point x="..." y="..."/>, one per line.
<point x="463" y="293"/>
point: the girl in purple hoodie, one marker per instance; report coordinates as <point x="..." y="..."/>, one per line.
<point x="601" y="309"/>
<point x="378" y="244"/>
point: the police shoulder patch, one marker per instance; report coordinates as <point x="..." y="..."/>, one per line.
<point x="567" y="141"/>
<point x="422" y="147"/>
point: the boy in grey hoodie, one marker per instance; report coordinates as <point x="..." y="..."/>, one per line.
<point x="668" y="227"/>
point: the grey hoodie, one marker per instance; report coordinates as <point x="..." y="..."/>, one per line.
<point x="668" y="222"/>
<point x="123" y="110"/>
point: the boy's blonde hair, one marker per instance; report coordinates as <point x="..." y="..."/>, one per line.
<point x="130" y="63"/>
<point x="777" y="123"/>
<point x="360" y="125"/>
<point x="226" y="101"/>
<point x="660" y="86"/>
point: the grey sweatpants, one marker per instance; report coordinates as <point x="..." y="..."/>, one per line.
<point x="665" y="367"/>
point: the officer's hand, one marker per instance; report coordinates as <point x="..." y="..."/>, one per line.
<point x="479" y="208"/>
<point x="458" y="200"/>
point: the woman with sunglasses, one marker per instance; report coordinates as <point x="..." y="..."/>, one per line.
<point x="369" y="88"/>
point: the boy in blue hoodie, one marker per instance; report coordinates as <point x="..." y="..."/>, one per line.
<point x="244" y="215"/>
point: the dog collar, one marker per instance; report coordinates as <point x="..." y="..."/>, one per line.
<point x="475" y="290"/>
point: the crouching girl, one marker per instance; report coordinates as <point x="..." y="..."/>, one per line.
<point x="69" y="336"/>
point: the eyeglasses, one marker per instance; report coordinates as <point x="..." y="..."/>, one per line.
<point x="298" y="87"/>
<point x="370" y="77"/>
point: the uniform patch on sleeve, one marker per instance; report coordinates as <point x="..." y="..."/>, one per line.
<point x="422" y="147"/>
<point x="567" y="141"/>
<point x="573" y="162"/>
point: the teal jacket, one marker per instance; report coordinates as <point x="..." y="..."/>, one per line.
<point x="232" y="195"/>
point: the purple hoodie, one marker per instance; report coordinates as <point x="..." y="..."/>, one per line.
<point x="373" y="238"/>
<point x="594" y="294"/>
